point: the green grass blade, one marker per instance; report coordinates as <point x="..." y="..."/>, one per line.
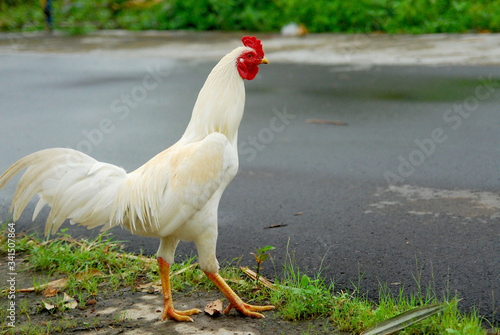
<point x="404" y="320"/>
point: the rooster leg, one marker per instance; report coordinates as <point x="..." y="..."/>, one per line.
<point x="168" y="306"/>
<point x="235" y="301"/>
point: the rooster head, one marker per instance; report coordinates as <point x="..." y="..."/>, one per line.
<point x="249" y="60"/>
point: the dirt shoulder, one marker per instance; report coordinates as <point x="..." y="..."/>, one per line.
<point x="132" y="312"/>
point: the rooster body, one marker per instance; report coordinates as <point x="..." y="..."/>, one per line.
<point x="174" y="196"/>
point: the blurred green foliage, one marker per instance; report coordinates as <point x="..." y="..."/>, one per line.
<point x="363" y="16"/>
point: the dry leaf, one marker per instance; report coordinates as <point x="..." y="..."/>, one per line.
<point x="192" y="266"/>
<point x="48" y="306"/>
<point x="149" y="287"/>
<point x="214" y="308"/>
<point x="50" y="292"/>
<point x="91" y="302"/>
<point x="253" y="276"/>
<point x="69" y="302"/>
<point x="61" y="283"/>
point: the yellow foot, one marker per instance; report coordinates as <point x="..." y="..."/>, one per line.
<point x="248" y="310"/>
<point x="235" y="301"/>
<point x="171" y="314"/>
<point x="168" y="306"/>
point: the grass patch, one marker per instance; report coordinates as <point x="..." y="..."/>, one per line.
<point x="300" y="297"/>
<point x="64" y="255"/>
<point x="296" y="295"/>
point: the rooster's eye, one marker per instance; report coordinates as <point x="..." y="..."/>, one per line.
<point x="249" y="55"/>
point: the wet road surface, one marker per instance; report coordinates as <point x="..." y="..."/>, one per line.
<point x="407" y="189"/>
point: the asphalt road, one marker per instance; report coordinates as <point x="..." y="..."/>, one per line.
<point x="406" y="195"/>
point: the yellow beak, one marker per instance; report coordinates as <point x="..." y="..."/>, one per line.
<point x="264" y="61"/>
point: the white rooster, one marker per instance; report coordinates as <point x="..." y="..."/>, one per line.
<point x="174" y="196"/>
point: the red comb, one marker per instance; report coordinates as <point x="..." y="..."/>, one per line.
<point x="252" y="42"/>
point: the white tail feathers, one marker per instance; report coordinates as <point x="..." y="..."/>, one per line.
<point x="154" y="200"/>
<point x="73" y="184"/>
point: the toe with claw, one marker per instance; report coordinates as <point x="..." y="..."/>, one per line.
<point x="235" y="301"/>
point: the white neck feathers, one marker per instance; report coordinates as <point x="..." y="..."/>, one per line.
<point x="220" y="103"/>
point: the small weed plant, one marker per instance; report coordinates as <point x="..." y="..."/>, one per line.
<point x="260" y="257"/>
